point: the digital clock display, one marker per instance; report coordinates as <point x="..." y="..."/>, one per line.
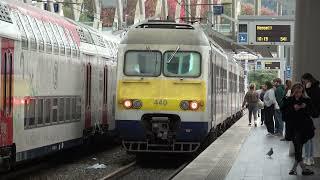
<point x="273" y="33"/>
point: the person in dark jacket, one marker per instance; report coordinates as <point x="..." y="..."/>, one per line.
<point x="298" y="110"/>
<point x="313" y="91"/>
<point x="262" y="93"/>
<point x="280" y="94"/>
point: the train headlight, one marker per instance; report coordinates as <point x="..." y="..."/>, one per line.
<point x="184" y="105"/>
<point x="137" y="104"/>
<point x="194" y="105"/>
<point x="127" y="104"/>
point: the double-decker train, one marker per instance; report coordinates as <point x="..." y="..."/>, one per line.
<point x="175" y="86"/>
<point x="56" y="85"/>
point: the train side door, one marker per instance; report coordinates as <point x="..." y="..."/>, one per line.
<point x="105" y="96"/>
<point x="213" y="89"/>
<point x="88" y="96"/>
<point x="6" y="86"/>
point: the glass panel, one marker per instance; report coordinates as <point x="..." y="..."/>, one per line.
<point x="182" y="64"/>
<point x="60" y="41"/>
<point x="78" y="110"/>
<point x="47" y="112"/>
<point x="61" y="109"/>
<point x="55" y="110"/>
<point x="40" y="111"/>
<point x="68" y="110"/>
<point x="46" y="36"/>
<point x="73" y="106"/>
<point x="32" y="112"/>
<point x="22" y="31"/>
<point x="142" y="63"/>
<point x="30" y="32"/>
<point x="37" y="33"/>
<point x="53" y="37"/>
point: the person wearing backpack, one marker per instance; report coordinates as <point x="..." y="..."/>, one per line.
<point x="251" y="98"/>
<point x="312" y="88"/>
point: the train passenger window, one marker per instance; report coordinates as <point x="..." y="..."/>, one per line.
<point x="73" y="109"/>
<point x="61" y="109"/>
<point x="53" y="37"/>
<point x="68" y="110"/>
<point x="60" y="41"/>
<point x="40" y="111"/>
<point x="47" y="110"/>
<point x="33" y="42"/>
<point x="78" y="109"/>
<point x="54" y="109"/>
<point x="22" y="31"/>
<point x="142" y="63"/>
<point x="37" y="33"/>
<point x="45" y="36"/>
<point x="182" y="64"/>
<point x="31" y="112"/>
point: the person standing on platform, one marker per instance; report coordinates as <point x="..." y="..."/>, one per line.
<point x="288" y="86"/>
<point x="259" y="92"/>
<point x="280" y="94"/>
<point x="251" y="98"/>
<point x="262" y="93"/>
<point x="298" y="109"/>
<point x="313" y="91"/>
<point x="270" y="104"/>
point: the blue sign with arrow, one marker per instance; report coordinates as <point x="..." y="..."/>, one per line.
<point x="243" y="37"/>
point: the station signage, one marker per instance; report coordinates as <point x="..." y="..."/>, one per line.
<point x="273" y="33"/>
<point x="272" y="65"/>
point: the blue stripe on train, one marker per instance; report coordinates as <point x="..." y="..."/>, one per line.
<point x="132" y="130"/>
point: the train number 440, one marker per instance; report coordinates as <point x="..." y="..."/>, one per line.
<point x="160" y="102"/>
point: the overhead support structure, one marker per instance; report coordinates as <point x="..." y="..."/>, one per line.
<point x="77" y="4"/>
<point x="257" y="7"/>
<point x="162" y="9"/>
<point x="178" y="10"/>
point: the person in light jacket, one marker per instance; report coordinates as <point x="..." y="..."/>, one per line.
<point x="271" y="104"/>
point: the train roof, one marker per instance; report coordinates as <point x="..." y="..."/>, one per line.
<point x="165" y="33"/>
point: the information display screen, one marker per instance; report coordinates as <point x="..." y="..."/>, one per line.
<point x="273" y="33"/>
<point x="272" y="65"/>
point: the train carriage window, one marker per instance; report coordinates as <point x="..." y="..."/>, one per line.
<point x="61" y="110"/>
<point x="47" y="110"/>
<point x="40" y="112"/>
<point x="45" y="36"/>
<point x="73" y="109"/>
<point x="142" y="63"/>
<point x="22" y="31"/>
<point x="33" y="42"/>
<point x="78" y="108"/>
<point x="53" y="37"/>
<point x="68" y="109"/>
<point x="31" y="112"/>
<point x="60" y="41"/>
<point x="182" y="64"/>
<point x="38" y="34"/>
<point x="54" y="109"/>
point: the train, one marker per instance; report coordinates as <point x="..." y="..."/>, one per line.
<point x="175" y="88"/>
<point x="57" y="83"/>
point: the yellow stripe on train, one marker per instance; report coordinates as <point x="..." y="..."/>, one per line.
<point x="162" y="94"/>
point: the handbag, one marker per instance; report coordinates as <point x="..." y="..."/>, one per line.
<point x="260" y="104"/>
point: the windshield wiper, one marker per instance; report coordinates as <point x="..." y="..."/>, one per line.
<point x="173" y="54"/>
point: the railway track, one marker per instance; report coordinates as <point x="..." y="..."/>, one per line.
<point x="117" y="174"/>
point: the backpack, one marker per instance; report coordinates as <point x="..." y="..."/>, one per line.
<point x="252" y="97"/>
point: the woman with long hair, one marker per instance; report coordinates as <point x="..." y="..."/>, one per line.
<point x="251" y="98"/>
<point x="311" y="86"/>
<point x="298" y="109"/>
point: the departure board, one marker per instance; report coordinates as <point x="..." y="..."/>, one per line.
<point x="273" y="33"/>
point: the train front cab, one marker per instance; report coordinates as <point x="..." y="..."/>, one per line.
<point x="162" y="109"/>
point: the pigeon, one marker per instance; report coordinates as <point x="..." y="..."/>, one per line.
<point x="270" y="153"/>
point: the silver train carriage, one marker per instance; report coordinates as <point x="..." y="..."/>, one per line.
<point x="57" y="82"/>
<point x="174" y="87"/>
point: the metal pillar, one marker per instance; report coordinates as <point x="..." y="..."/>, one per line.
<point x="140" y="14"/>
<point x="178" y="11"/>
<point x="257" y="7"/>
<point x="306" y="49"/>
<point x="77" y="9"/>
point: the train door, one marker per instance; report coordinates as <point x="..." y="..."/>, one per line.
<point x="105" y="96"/>
<point x="88" y="96"/>
<point x="213" y="90"/>
<point x="6" y="86"/>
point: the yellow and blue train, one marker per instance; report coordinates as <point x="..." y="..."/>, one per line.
<point x="175" y="86"/>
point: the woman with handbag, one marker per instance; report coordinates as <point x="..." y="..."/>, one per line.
<point x="251" y="98"/>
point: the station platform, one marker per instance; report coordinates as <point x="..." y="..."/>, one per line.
<point x="240" y="154"/>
